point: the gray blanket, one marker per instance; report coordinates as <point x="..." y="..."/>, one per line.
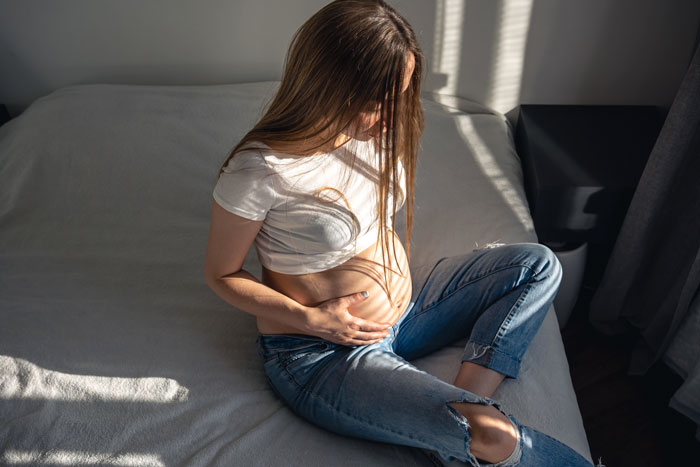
<point x="113" y="350"/>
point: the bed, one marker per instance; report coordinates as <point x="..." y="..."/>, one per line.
<point x="114" y="351"/>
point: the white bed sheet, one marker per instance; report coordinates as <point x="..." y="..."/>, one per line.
<point x="113" y="350"/>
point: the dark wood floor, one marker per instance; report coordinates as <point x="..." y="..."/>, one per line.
<point x="627" y="418"/>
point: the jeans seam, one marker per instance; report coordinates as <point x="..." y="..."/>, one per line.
<point x="562" y="443"/>
<point x="515" y="306"/>
<point x="433" y="305"/>
<point x="430" y="274"/>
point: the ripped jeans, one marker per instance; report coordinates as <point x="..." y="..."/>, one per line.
<point x="498" y="296"/>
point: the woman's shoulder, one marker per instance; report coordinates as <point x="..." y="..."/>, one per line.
<point x="250" y="157"/>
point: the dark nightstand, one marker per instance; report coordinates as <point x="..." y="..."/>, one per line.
<point x="581" y="165"/>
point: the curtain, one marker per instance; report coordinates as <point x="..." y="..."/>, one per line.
<point x="653" y="271"/>
<point x="683" y="356"/>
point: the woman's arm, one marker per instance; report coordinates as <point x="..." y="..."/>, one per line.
<point x="242" y="290"/>
<point x="230" y="238"/>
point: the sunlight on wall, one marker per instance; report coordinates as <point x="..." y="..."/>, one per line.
<point x="508" y="54"/>
<point x="449" y="15"/>
<point x="507" y="51"/>
<point x="25" y="380"/>
<point x="58" y="457"/>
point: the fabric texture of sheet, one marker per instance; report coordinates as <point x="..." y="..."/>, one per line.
<point x="113" y="350"/>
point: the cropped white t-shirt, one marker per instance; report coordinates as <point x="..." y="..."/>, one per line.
<point x="318" y="212"/>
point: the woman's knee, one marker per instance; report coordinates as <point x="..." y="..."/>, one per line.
<point x="489" y="428"/>
<point x="541" y="260"/>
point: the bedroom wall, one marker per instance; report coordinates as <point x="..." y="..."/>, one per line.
<point x="499" y="53"/>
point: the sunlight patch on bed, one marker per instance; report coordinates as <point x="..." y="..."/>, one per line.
<point x="59" y="457"/>
<point x="22" y="379"/>
<point x="489" y="166"/>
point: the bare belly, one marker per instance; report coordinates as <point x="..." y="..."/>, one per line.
<point x="364" y="271"/>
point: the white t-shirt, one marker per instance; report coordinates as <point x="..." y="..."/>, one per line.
<point x="313" y="220"/>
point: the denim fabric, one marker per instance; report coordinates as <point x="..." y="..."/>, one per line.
<point x="498" y="296"/>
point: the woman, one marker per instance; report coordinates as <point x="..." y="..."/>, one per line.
<point x="338" y="310"/>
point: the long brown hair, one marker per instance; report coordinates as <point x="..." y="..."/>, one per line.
<point x="348" y="57"/>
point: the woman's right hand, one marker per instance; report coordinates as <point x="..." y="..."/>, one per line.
<point x="331" y="320"/>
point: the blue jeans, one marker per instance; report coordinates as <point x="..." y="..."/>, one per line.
<point x="498" y="296"/>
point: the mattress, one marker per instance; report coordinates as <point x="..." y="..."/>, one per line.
<point x="114" y="351"/>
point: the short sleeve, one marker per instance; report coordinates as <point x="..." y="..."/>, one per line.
<point x="246" y="186"/>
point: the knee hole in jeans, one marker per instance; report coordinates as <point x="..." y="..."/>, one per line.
<point x="485" y="434"/>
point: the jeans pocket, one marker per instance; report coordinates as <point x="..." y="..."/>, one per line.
<point x="287" y="347"/>
<point x="288" y="356"/>
<point x="303" y="365"/>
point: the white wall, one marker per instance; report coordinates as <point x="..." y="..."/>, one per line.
<point x="497" y="52"/>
